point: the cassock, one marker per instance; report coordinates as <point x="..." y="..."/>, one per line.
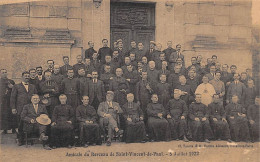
<point x="50" y="87"/>
<point x="177" y="108"/>
<point x="57" y="78"/>
<point x="114" y="83"/>
<point x="200" y="129"/>
<point x="206" y="91"/>
<point x="7" y="120"/>
<point x="76" y="67"/>
<point x="106" y="77"/>
<point x="133" y="76"/>
<point x="139" y="55"/>
<point x="220" y="128"/>
<point x="89" y="53"/>
<point x="164" y="93"/>
<point x="102" y="52"/>
<point x="173" y="80"/>
<point x="62" y="131"/>
<point x="89" y="132"/>
<point x="239" y="125"/>
<point x="64" y="70"/>
<point x="158" y="128"/>
<point x="135" y="129"/>
<point x="168" y="51"/>
<point x="189" y="97"/>
<point x="153" y="77"/>
<point x="116" y="62"/>
<point x="70" y="87"/>
<point x="249" y="97"/>
<point x="253" y="114"/>
<point x="193" y="82"/>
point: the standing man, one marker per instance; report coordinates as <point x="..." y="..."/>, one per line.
<point x="212" y="72"/>
<point x="236" y="88"/>
<point x="140" y="52"/>
<point x="168" y="50"/>
<point x="133" y="48"/>
<point x="89" y="52"/>
<point x="108" y="112"/>
<point x="70" y="86"/>
<point x="57" y="76"/>
<point x="50" y="66"/>
<point x="7" y="119"/>
<point x="21" y="95"/>
<point x="177" y="54"/>
<point x="153" y="74"/>
<point x="64" y="69"/>
<point x="149" y="52"/>
<point x="164" y="90"/>
<point x="105" y="50"/>
<point x="78" y="65"/>
<point x="49" y="90"/>
<point x="106" y="77"/>
<point x="114" y="83"/>
<point x="131" y="77"/>
<point x="199" y="116"/>
<point x="253" y="117"/>
<point x="39" y="73"/>
<point x="218" y="86"/>
<point x="177" y="112"/>
<point x="96" y="90"/>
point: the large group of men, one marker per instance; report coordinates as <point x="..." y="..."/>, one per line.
<point x="134" y="95"/>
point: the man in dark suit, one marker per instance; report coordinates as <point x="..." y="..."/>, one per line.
<point x="212" y="72"/>
<point x="168" y="50"/>
<point x="39" y="73"/>
<point x="105" y="50"/>
<point x="66" y="66"/>
<point x="50" y="66"/>
<point x="121" y="50"/>
<point x="107" y="76"/>
<point x="6" y="118"/>
<point x="236" y="88"/>
<point x="133" y="48"/>
<point x="31" y="125"/>
<point x="89" y="52"/>
<point x="95" y="90"/>
<point x="253" y="117"/>
<point x="140" y="52"/>
<point x="78" y="65"/>
<point x="177" y="54"/>
<point x="149" y="52"/>
<point x="20" y="96"/>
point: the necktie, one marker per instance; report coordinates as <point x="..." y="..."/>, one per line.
<point x="35" y="108"/>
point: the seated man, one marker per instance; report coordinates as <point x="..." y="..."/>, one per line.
<point x="32" y="123"/>
<point x="108" y="112"/>
<point x="158" y="126"/>
<point x="87" y="117"/>
<point x="177" y="112"/>
<point x="199" y="116"/>
<point x="134" y="125"/>
<point x="218" y="120"/>
<point x="238" y="123"/>
<point x="62" y="127"/>
<point x="253" y="117"/>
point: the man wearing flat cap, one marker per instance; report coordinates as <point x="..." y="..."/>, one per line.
<point x="108" y="112"/>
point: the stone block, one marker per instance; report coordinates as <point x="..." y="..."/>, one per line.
<point x="21" y="9"/>
<point x="191" y="29"/>
<point x="240" y="11"/>
<point x="74" y="12"/>
<point x="48" y="23"/>
<point x="74" y="3"/>
<point x="39" y="11"/>
<point x="242" y="20"/>
<point x="221" y="10"/>
<point x="221" y="20"/>
<point x="205" y="29"/>
<point x="206" y="19"/>
<point x="74" y="24"/>
<point x="191" y="18"/>
<point x="240" y="32"/>
<point x="206" y="8"/>
<point x="221" y="33"/>
<point x="191" y="7"/>
<point x="58" y="11"/>
<point x="21" y="22"/>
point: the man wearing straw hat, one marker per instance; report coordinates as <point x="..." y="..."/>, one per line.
<point x="35" y="118"/>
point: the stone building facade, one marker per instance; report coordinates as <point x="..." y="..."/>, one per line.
<point x="33" y="32"/>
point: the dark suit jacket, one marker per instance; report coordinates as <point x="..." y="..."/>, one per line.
<point x="20" y="97"/>
<point x="29" y="113"/>
<point x="90" y="91"/>
<point x="174" y="56"/>
<point x="84" y="113"/>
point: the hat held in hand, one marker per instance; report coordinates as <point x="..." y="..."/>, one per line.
<point x="43" y="119"/>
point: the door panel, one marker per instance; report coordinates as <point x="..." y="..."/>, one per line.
<point x="124" y="34"/>
<point x="144" y="36"/>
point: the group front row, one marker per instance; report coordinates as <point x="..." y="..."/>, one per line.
<point x="156" y="123"/>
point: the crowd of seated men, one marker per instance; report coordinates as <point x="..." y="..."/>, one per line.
<point x="133" y="96"/>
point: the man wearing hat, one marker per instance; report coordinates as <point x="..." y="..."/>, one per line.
<point x="177" y="112"/>
<point x="35" y="119"/>
<point x="108" y="112"/>
<point x="62" y="127"/>
<point x="64" y="69"/>
<point x="149" y="52"/>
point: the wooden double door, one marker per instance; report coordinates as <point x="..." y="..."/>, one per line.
<point x="132" y="21"/>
